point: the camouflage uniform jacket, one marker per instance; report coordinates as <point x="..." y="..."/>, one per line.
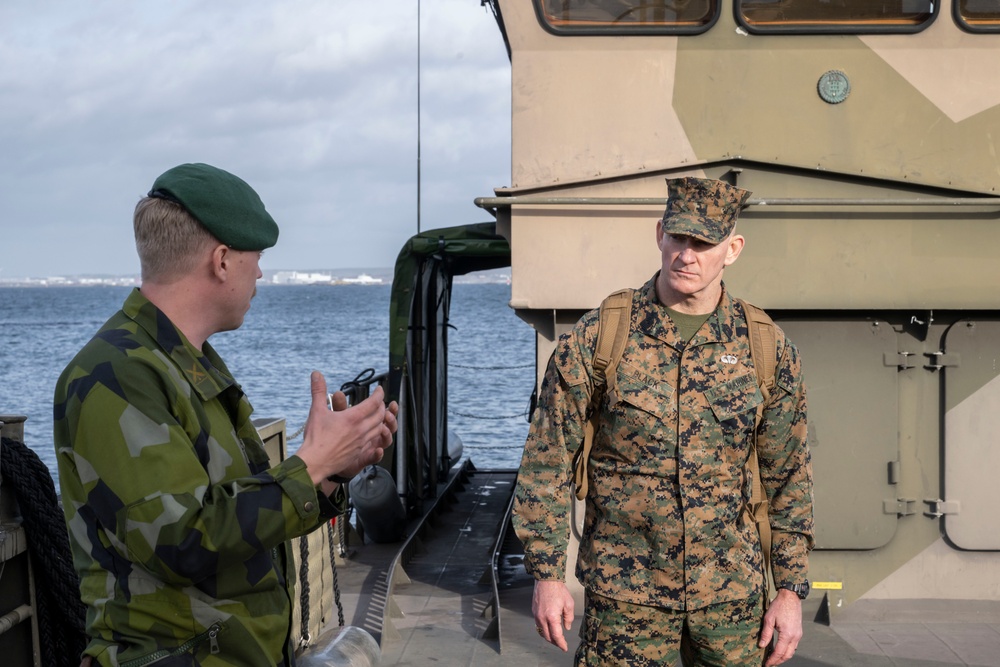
<point x="668" y="481"/>
<point x="177" y="524"/>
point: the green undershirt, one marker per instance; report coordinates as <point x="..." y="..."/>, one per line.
<point x="687" y="325"/>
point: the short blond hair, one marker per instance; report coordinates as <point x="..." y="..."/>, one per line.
<point x="167" y="238"/>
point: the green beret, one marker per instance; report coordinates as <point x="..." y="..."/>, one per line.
<point x="702" y="208"/>
<point x="222" y="202"/>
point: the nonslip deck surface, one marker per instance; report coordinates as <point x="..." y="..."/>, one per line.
<point x="442" y="620"/>
<point x="443" y="605"/>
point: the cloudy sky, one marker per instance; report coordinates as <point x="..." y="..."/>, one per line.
<point x="313" y="102"/>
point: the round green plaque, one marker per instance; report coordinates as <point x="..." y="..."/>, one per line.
<point x="834" y="86"/>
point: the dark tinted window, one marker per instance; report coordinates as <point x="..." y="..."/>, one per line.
<point x="844" y="16"/>
<point x="978" y="15"/>
<point x="627" y="16"/>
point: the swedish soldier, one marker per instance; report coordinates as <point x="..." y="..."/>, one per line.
<point x="670" y="558"/>
<point x="177" y="521"/>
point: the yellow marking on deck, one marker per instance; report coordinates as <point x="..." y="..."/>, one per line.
<point x="828" y="585"/>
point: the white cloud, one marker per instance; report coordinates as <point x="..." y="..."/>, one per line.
<point x="312" y="102"/>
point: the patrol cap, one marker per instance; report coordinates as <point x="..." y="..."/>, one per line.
<point x="703" y="208"/>
<point x="222" y="202"/>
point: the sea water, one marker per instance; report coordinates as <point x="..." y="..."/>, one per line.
<point x="340" y="330"/>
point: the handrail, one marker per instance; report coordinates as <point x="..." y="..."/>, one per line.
<point x="494" y="631"/>
<point x="396" y="572"/>
<point x="530" y="200"/>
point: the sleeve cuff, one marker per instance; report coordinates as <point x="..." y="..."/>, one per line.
<point x="293" y="478"/>
<point x="333" y="505"/>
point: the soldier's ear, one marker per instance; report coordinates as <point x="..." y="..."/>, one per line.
<point x="220" y="262"/>
<point x="736" y="243"/>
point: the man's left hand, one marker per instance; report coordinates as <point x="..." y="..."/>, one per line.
<point x="784" y="616"/>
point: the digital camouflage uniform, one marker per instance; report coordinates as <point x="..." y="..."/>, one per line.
<point x="665" y="518"/>
<point x="177" y="524"/>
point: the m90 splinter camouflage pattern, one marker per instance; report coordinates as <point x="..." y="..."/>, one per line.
<point x="176" y="520"/>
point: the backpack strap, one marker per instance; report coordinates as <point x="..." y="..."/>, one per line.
<point x="614" y="323"/>
<point x="764" y="337"/>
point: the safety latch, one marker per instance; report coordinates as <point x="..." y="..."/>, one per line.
<point x="937" y="507"/>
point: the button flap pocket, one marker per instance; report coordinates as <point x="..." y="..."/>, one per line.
<point x="735" y="396"/>
<point x="643" y="391"/>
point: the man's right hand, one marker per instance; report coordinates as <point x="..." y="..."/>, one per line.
<point x="344" y="441"/>
<point x="552" y="606"/>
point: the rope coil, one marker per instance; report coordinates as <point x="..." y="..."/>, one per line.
<point x="60" y="611"/>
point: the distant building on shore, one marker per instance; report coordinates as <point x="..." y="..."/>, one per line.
<point x="362" y="279"/>
<point x="300" y="278"/>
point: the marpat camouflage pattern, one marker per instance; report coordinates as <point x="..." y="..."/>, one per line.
<point x="668" y="482"/>
<point x="703" y="208"/>
<point x="620" y="633"/>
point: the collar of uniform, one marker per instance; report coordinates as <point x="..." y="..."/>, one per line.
<point x="204" y="370"/>
<point x="721" y="325"/>
<point x="656" y="322"/>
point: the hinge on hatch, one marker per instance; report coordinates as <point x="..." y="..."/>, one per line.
<point x="900" y="506"/>
<point x="937" y="507"/>
<point x="900" y="360"/>
<point x="942" y="359"/>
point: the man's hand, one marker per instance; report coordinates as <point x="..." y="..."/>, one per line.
<point x="552" y="606"/>
<point x="784" y="616"/>
<point x="346" y="439"/>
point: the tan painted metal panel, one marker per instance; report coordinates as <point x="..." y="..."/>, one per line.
<point x="853" y="428"/>
<point x="835" y="257"/>
<point x="972" y="436"/>
<point x="593" y="106"/>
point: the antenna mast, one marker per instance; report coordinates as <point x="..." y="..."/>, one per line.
<point x="418" y="116"/>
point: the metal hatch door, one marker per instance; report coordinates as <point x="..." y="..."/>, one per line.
<point x="972" y="435"/>
<point x="853" y="427"/>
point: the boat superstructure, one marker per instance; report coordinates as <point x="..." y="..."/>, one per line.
<point x="868" y="134"/>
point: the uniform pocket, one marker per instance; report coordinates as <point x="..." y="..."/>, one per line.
<point x="644" y="392"/>
<point x="637" y="421"/>
<point x="735" y="398"/>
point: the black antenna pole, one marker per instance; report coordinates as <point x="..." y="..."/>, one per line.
<point x="418" y="116"/>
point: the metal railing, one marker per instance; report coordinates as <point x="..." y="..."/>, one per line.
<point x="532" y="200"/>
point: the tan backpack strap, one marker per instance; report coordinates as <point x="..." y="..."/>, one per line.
<point x="612" y="333"/>
<point x="763" y="335"/>
<point x="614" y="322"/>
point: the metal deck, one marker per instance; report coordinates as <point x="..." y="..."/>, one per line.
<point x="903" y="633"/>
<point x="435" y="600"/>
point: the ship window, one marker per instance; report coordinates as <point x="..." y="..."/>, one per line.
<point x="836" y="16"/>
<point x="609" y="17"/>
<point x="978" y="15"/>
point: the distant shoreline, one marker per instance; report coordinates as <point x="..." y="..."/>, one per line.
<point x="369" y="278"/>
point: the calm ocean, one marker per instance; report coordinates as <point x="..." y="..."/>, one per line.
<point x="290" y="330"/>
